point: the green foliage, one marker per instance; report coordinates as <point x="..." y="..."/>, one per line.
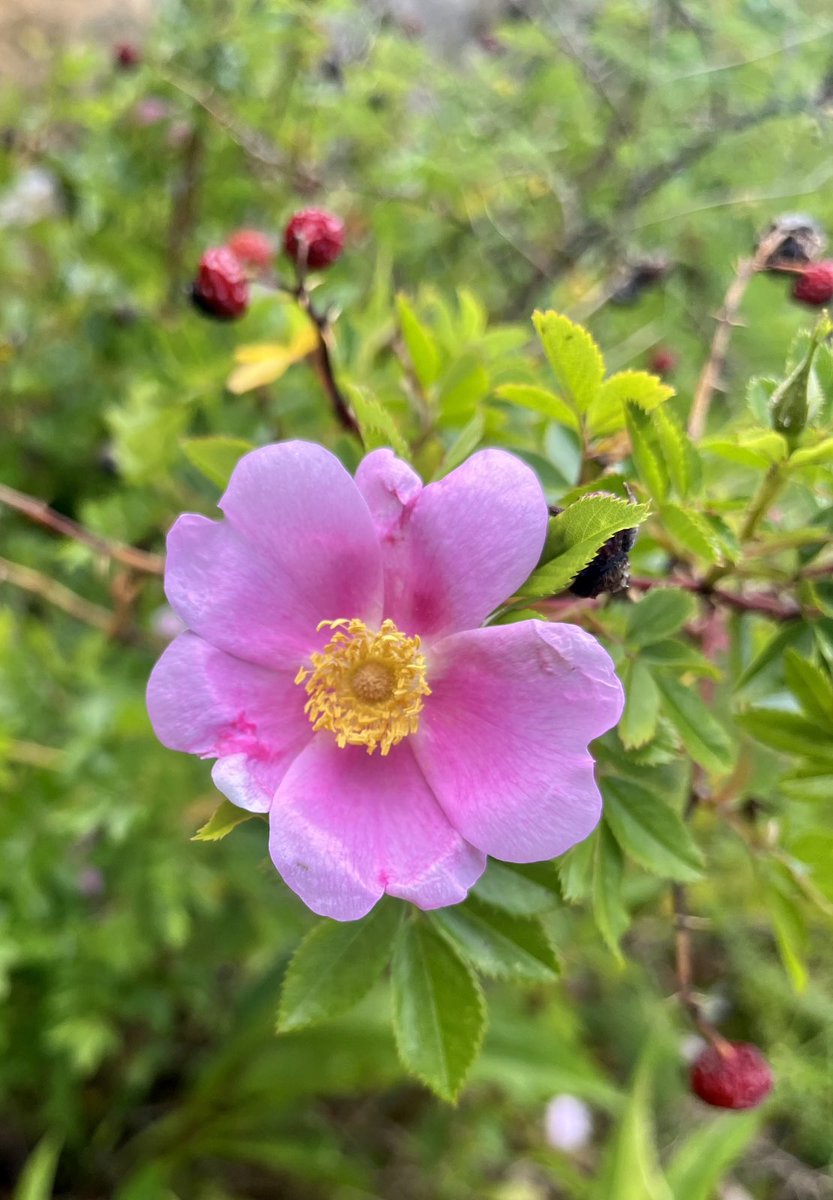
<point x="226" y="816"/>
<point x="575" y="536"/>
<point x="141" y="963"/>
<point x="439" y="1016"/>
<point x="500" y="944"/>
<point x="335" y="966"/>
<point x="216" y="457"/>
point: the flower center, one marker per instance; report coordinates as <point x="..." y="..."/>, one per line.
<point x="367" y="688"/>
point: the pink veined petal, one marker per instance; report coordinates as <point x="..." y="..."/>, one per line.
<point x="453" y="550"/>
<point x="503" y="736"/>
<point x="204" y="701"/>
<point x="297" y="547"/>
<point x="347" y="826"/>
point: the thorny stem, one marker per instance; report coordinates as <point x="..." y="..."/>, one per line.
<point x="40" y="512"/>
<point x="323" y="355"/>
<point x="727" y="318"/>
<point x="757" y="602"/>
<point x="183" y="210"/>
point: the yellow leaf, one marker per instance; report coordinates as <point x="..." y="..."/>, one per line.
<point x="267" y="361"/>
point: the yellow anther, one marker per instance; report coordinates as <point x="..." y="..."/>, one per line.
<point x="366" y="687"/>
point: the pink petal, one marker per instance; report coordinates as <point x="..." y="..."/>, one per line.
<point x="203" y="701"/>
<point x="503" y="737"/>
<point x="454" y="550"/>
<point x="297" y="547"/>
<point x="347" y="826"/>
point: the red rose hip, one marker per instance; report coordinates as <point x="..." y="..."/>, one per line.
<point x="314" y="238"/>
<point x="221" y="289"/>
<point x="814" y="285"/>
<point x="252" y="248"/>
<point x="735" y="1075"/>
<point x="662" y="361"/>
<point x="127" y="55"/>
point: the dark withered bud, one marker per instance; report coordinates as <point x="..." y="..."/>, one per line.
<point x="610" y="570"/>
<point x="796" y="240"/>
<point x="639" y="276"/>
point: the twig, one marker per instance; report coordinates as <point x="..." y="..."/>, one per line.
<point x="641" y="186"/>
<point x="726" y="320"/>
<point x="39" y="511"/>
<point x="323" y="357"/>
<point x="183" y="210"/>
<point x="55" y="593"/>
<point x="258" y="148"/>
<point x="764" y="603"/>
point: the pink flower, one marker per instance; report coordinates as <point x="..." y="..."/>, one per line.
<point x="335" y="668"/>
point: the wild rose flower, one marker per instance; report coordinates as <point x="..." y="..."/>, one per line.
<point x="335" y="668"/>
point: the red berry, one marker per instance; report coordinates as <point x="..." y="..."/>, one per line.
<point x="735" y="1075"/>
<point x="221" y="289"/>
<point x="815" y="284"/>
<point x="314" y="238"/>
<point x="127" y="55"/>
<point x="252" y="247"/>
<point x="662" y="361"/>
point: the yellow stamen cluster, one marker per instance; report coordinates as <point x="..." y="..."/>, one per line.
<point x="366" y="687"/>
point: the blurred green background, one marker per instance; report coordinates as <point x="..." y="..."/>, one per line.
<point x="485" y="159"/>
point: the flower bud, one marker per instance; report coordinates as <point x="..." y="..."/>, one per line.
<point x="790" y="405"/>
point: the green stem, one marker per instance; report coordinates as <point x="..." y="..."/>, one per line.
<point x="771" y="485"/>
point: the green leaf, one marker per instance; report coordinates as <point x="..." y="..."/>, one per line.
<point x="464" y="386"/>
<point x="814" y="849"/>
<point x="524" y="889"/>
<point x="681" y="459"/>
<point x="226" y="816"/>
<point x="676" y="653"/>
<point x="649" y="467"/>
<point x="574" y="357"/>
<point x="377" y="426"/>
<point x="631" y="1168"/>
<point x="609" y="912"/>
<point x="650" y="832"/>
<point x="499" y="944"/>
<point x="466" y="441"/>
<point x="704" y="738"/>
<point x="575" y="870"/>
<point x="658" y="615"/>
<point x="336" y="964"/>
<point x="606" y="414"/>
<point x="539" y="400"/>
<point x="691" y="531"/>
<point x="789" y="732"/>
<point x="639" y="720"/>
<point x="812" y="689"/>
<point x="422" y="347"/>
<point x="788" y="922"/>
<point x="38" y="1175"/>
<point x="575" y="537"/>
<point x="439" y="1014"/>
<point x="759" y="450"/>
<point x="708" y="1153"/>
<point x="822" y="452"/>
<point x="770" y="652"/>
<point x="215" y="457"/>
